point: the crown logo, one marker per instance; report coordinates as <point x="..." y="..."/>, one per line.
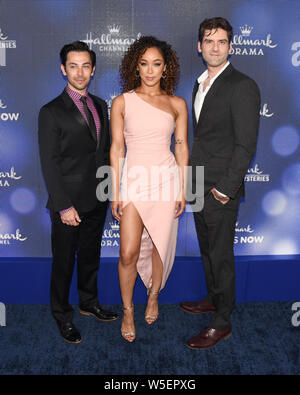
<point x="114" y="29"/>
<point x="2" y="36"/>
<point x="114" y="225"/>
<point x="246" y="30"/>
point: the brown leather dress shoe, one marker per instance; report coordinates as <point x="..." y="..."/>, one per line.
<point x="197" y="307"/>
<point x="209" y="338"/>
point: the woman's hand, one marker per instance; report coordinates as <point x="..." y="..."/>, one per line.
<point x="180" y="207"/>
<point x="116" y="209"/>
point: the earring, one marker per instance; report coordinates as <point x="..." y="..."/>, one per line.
<point x="164" y="74"/>
<point x="137" y="74"/>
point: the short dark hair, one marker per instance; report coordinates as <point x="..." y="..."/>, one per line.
<point x="78" y="46"/>
<point x="215" y="23"/>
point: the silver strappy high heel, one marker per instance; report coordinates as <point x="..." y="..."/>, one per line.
<point x="128" y="335"/>
<point x="149" y="318"/>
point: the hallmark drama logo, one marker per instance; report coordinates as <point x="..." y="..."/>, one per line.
<point x="244" y="44"/>
<point x="246" y="235"/>
<point x="6" y="116"/>
<point x="254" y="174"/>
<point x="111" y="236"/>
<point x="6" y="177"/>
<point x="111" y="41"/>
<point x="4" y="45"/>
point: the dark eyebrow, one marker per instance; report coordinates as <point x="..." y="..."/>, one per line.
<point x="222" y="39"/>
<point x="155" y="60"/>
<point x="73" y="63"/>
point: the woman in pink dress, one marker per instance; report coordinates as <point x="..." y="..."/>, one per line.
<point x="149" y="185"/>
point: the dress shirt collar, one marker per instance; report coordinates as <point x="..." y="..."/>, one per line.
<point x="75" y="95"/>
<point x="204" y="75"/>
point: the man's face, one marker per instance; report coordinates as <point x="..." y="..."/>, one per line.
<point x="215" y="47"/>
<point x="78" y="70"/>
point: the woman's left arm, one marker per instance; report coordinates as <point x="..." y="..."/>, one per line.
<point x="181" y="150"/>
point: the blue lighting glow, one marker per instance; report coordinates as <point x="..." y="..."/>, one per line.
<point x="285" y="247"/>
<point x="23" y="200"/>
<point x="274" y="203"/>
<point x="291" y="179"/>
<point x="285" y="140"/>
<point x="5" y="224"/>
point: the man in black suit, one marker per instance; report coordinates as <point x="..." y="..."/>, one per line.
<point x="74" y="142"/>
<point x="226" y="107"/>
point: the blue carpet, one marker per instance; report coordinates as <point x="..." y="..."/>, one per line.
<point x="264" y="341"/>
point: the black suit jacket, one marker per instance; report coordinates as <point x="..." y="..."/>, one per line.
<point x="70" y="154"/>
<point x="225" y="135"/>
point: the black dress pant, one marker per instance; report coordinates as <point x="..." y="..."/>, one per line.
<point x="85" y="240"/>
<point x="215" y="226"/>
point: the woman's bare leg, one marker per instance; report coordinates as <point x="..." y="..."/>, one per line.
<point x="131" y="228"/>
<point x="151" y="312"/>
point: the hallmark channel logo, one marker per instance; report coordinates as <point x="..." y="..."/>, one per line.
<point x="7" y="116"/>
<point x="245" y="235"/>
<point x="296" y="56"/>
<point x="254" y="174"/>
<point x="4" y="45"/>
<point x="243" y="44"/>
<point x="111" y="41"/>
<point x="265" y="112"/>
<point x="8" y="238"/>
<point x="6" y="177"/>
<point x="111" y="236"/>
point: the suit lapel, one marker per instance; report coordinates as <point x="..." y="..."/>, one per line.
<point x="195" y="90"/>
<point x="211" y="94"/>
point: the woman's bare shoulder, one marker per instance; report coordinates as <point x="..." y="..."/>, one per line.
<point x="178" y="103"/>
<point x="118" y="102"/>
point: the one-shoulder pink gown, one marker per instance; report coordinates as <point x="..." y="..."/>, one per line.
<point x="150" y="180"/>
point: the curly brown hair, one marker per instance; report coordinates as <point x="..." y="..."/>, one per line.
<point x="128" y="77"/>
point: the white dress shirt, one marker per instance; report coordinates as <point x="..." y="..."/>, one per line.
<point x="200" y="95"/>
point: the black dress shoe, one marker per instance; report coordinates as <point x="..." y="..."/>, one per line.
<point x="99" y="313"/>
<point x="197" y="307"/>
<point x="209" y="338"/>
<point x="69" y="332"/>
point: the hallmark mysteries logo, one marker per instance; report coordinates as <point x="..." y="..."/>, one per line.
<point x="5" y="44"/>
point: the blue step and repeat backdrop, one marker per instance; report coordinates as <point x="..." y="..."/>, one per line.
<point x="266" y="46"/>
